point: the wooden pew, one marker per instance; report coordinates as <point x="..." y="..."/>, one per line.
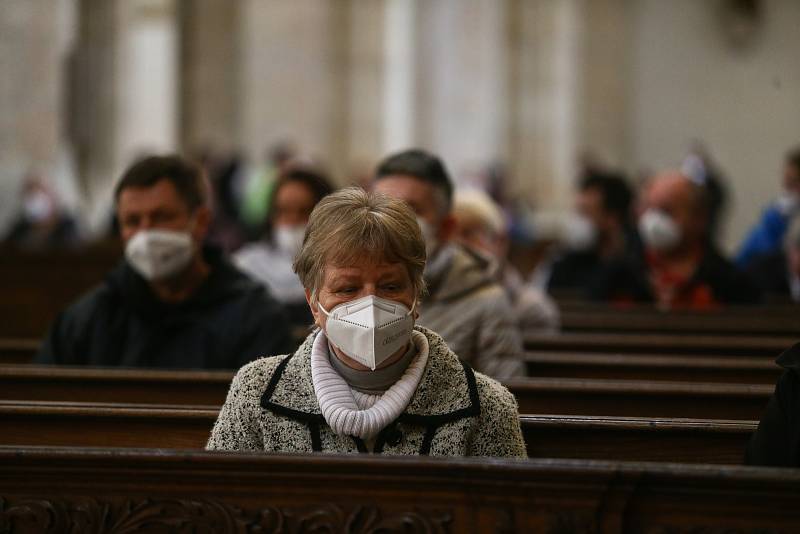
<point x="712" y="323"/>
<point x="706" y="345"/>
<point x="93" y="384"/>
<point x="17" y="350"/>
<point x="751" y="320"/>
<point x="676" y="368"/>
<point x="176" y="427"/>
<point x="68" y="490"/>
<point x="564" y="396"/>
<point x="38" y="285"/>
<point x="639" y="398"/>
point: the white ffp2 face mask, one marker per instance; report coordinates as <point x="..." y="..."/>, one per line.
<point x="580" y="233"/>
<point x="659" y="231"/>
<point x="157" y="254"/>
<point x="429" y="235"/>
<point x="289" y="239"/>
<point x="369" y="329"/>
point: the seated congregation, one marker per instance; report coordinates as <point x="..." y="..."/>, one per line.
<point x="393" y="321"/>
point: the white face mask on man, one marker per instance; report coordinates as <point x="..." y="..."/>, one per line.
<point x="580" y="233"/>
<point x="659" y="231"/>
<point x="157" y="254"/>
<point x="429" y="235"/>
<point x="289" y="239"/>
<point x="370" y="329"/>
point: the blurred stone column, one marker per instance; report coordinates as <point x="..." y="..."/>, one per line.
<point x="366" y="82"/>
<point x="123" y="92"/>
<point x="209" y="84"/>
<point x="544" y="98"/>
<point x="461" y="104"/>
<point x="293" y="77"/>
<point x="606" y="91"/>
<point x="34" y="39"/>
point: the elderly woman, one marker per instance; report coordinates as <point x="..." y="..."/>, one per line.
<point x="367" y="379"/>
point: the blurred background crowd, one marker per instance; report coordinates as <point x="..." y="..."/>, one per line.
<point x="617" y="150"/>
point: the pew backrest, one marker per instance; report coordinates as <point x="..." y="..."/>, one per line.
<point x="669" y="367"/>
<point x="176" y="427"/>
<point x="70" y="490"/>
<point x="721" y="345"/>
<point x="640" y="398"/>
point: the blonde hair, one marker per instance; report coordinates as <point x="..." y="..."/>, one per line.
<point x="353" y="225"/>
<point x="473" y="207"/>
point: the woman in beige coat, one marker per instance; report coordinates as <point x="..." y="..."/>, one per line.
<point x="367" y="379"/>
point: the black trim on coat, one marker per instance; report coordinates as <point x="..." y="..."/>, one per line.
<point x="431" y="423"/>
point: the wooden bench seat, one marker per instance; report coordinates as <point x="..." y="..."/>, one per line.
<point x="752" y="321"/>
<point x="706" y="345"/>
<point x="640" y="398"/>
<point x="94" y="490"/>
<point x="38" y="285"/>
<point x="96" y="384"/>
<point x="676" y="368"/>
<point x="536" y="395"/>
<point x="17" y="350"/>
<point x="177" y="427"/>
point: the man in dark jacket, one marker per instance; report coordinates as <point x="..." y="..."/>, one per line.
<point x="777" y="440"/>
<point x="599" y="233"/>
<point x="172" y="302"/>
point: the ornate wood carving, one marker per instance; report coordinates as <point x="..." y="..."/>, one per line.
<point x="87" y="515"/>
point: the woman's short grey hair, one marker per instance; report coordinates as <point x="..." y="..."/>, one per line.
<point x="352" y="225"/>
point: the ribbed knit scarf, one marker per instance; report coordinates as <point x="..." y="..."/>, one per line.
<point x="351" y="413"/>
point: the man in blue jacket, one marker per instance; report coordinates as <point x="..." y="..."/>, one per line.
<point x="173" y="302"/>
<point x="767" y="236"/>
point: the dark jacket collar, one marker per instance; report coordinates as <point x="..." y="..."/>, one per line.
<point x="223" y="281"/>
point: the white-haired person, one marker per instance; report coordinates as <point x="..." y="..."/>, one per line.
<point x="367" y="379"/>
<point x="481" y="227"/>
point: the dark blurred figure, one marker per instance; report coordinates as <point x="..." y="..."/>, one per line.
<point x="42" y="224"/>
<point x="701" y="169"/>
<point x="778" y="274"/>
<point x="225" y="176"/>
<point x="173" y="302"/>
<point x="599" y="233"/>
<point x="269" y="261"/>
<point x="677" y="267"/>
<point x="258" y="187"/>
<point x="766" y="237"/>
<point x="776" y="443"/>
<point x="480" y="226"/>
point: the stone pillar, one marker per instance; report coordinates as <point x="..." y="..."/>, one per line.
<point x="606" y="80"/>
<point x="35" y="36"/>
<point x="461" y="106"/>
<point x="545" y="79"/>
<point x="209" y="85"/>
<point x="147" y="78"/>
<point x="293" y="77"/>
<point x="400" y="74"/>
<point x="124" y="92"/>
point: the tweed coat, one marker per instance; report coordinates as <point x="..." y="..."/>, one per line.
<point x="271" y="406"/>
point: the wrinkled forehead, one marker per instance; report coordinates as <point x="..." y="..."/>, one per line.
<point x="670" y="192"/>
<point x="362" y="264"/>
